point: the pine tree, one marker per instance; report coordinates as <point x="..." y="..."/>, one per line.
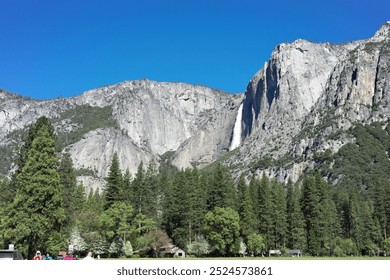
<point x="241" y="187"/>
<point x="127" y="187"/>
<point x="221" y="191"/>
<point x="311" y="212"/>
<point x="248" y="220"/>
<point x="198" y="200"/>
<point x="37" y="211"/>
<point x="138" y="186"/>
<point x="329" y="221"/>
<point x="69" y="183"/>
<point x="179" y="207"/>
<point x="264" y="203"/>
<point x="6" y="193"/>
<point x="254" y="191"/>
<point x="114" y="187"/>
<point x="150" y="192"/>
<point x="279" y="215"/>
<point x="295" y="221"/>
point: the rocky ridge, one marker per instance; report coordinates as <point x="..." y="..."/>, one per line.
<point x="148" y="120"/>
<point x="306" y="93"/>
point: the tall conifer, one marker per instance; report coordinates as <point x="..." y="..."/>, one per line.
<point x="37" y="211"/>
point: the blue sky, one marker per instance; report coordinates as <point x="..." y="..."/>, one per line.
<point x="54" y="48"/>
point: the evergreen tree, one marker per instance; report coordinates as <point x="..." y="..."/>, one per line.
<point x="27" y="140"/>
<point x="264" y="203"/>
<point x="6" y="193"/>
<point x="115" y="222"/>
<point x="254" y="191"/>
<point x="127" y="187"/>
<point x="279" y="215"/>
<point x="311" y="212"/>
<point x="69" y="183"/>
<point x="138" y="186"/>
<point x="296" y="238"/>
<point x="221" y="191"/>
<point x="198" y="201"/>
<point x="371" y="230"/>
<point x="87" y="219"/>
<point x="179" y="209"/>
<point x="37" y="210"/>
<point x="241" y="187"/>
<point x="329" y="221"/>
<point x="29" y="137"/>
<point x="114" y="187"/>
<point x="150" y="193"/>
<point x="248" y="220"/>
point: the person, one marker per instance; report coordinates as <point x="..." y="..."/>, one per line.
<point x="68" y="257"/>
<point x="89" y="256"/>
<point x="48" y="257"/>
<point x="38" y="256"/>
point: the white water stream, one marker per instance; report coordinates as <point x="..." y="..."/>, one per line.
<point x="236" y="141"/>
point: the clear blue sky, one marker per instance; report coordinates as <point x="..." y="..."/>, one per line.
<point x="54" y="48"/>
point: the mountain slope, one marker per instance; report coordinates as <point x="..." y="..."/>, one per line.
<point x="306" y="94"/>
<point x="140" y="120"/>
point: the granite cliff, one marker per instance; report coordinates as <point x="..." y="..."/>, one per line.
<point x="140" y="120"/>
<point x="299" y="105"/>
<point x="305" y="95"/>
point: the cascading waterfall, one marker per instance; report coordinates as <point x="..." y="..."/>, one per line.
<point x="236" y="141"/>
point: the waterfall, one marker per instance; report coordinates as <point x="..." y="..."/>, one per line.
<point x="236" y="141"/>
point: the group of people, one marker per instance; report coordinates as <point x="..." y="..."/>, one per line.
<point x="38" y="257"/>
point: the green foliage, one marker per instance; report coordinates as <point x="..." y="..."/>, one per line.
<point x="344" y="247"/>
<point x="114" y="188"/>
<point x="36" y="212"/>
<point x="279" y="215"/>
<point x="386" y="246"/>
<point x="6" y="193"/>
<point x="7" y="157"/>
<point x="364" y="165"/>
<point x="166" y="163"/>
<point x="153" y="210"/>
<point x="73" y="196"/>
<point x="263" y="163"/>
<point x="185" y="207"/>
<point x="127" y="249"/>
<point x="200" y="247"/>
<point x="255" y="244"/>
<point x="222" y="230"/>
<point x="115" y="221"/>
<point x="220" y="192"/>
<point x="248" y="219"/>
<point x="296" y="237"/>
<point x="264" y="211"/>
<point x="311" y="212"/>
<point x="86" y="118"/>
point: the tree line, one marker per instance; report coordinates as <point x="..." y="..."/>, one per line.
<point x="204" y="212"/>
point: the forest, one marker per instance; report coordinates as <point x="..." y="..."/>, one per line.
<point x="340" y="209"/>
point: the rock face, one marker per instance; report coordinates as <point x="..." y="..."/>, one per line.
<point x="148" y="120"/>
<point x="307" y="92"/>
<point x="293" y="108"/>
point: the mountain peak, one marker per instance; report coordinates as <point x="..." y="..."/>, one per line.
<point x="384" y="31"/>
